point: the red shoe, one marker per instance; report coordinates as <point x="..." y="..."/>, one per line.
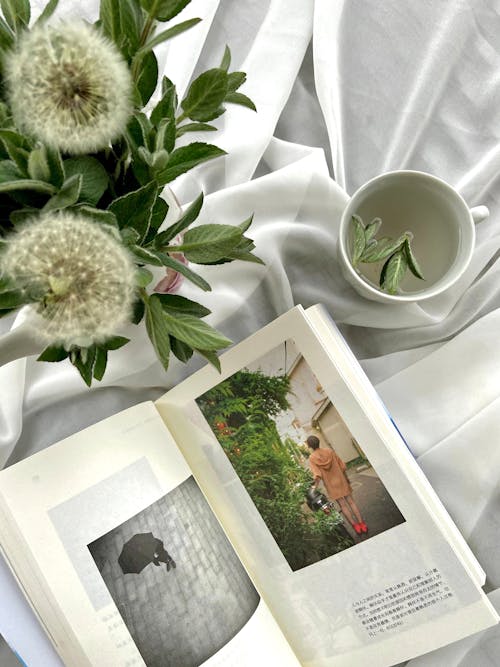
<point x="358" y="528"/>
<point x="363" y="527"/>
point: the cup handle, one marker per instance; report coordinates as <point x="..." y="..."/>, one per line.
<point x="479" y="213"/>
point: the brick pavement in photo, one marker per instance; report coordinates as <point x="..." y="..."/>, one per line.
<point x="179" y="618"/>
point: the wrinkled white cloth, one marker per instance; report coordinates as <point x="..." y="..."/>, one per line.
<point x="344" y="91"/>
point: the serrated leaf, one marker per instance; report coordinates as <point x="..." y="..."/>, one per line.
<point x="205" y="95"/>
<point x="393" y="272"/>
<point x="211" y="357"/>
<point x="165" y="138"/>
<point x="135" y="208"/>
<point x="181" y="350"/>
<point x="187" y="218"/>
<point x="235" y="80"/>
<point x="184" y="270"/>
<point x="169" y="34"/>
<point x="53" y="353"/>
<point x="194" y="127"/>
<point x="98" y="215"/>
<point x="84" y="360"/>
<point x="358" y="239"/>
<point x="101" y="361"/>
<point x="157" y="330"/>
<point x="55" y="163"/>
<point x="382" y="249"/>
<point x="226" y="59"/>
<point x="95" y="178"/>
<point x="412" y="262"/>
<point x="372" y="228"/>
<point x="167" y="105"/>
<point x="191" y="330"/>
<point x="208" y="243"/>
<point x="148" y="76"/>
<point x="160" y="210"/>
<point x="187" y="157"/>
<point x="241" y="99"/>
<point x="246" y="224"/>
<point x="164" y="10"/>
<point x="175" y="303"/>
<point x="67" y="195"/>
<point x="47" y="12"/>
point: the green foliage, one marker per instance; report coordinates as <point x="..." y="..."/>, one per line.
<point x="240" y="412"/>
<point x="120" y="187"/>
<point x="397" y="253"/>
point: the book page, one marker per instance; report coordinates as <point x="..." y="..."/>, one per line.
<point x="357" y="570"/>
<point x="123" y="557"/>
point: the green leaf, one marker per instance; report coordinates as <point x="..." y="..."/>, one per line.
<point x="135" y="208"/>
<point x="412" y="262"/>
<point x="194" y="127"/>
<point x="169" y="34"/>
<point x="101" y="361"/>
<point x="20" y="215"/>
<point x="98" y="215"/>
<point x="6" y="36"/>
<point x="208" y="243"/>
<point x="191" y="330"/>
<point x="38" y="166"/>
<point x="131" y="20"/>
<point x="235" y="80"/>
<point x="47" y="12"/>
<point x="372" y="228"/>
<point x="138" y="130"/>
<point x="143" y="276"/>
<point x="13" y="298"/>
<point x="206" y="95"/>
<point x="145" y="255"/>
<point x="9" y="171"/>
<point x="393" y="272"/>
<point x="226" y="59"/>
<point x="182" y="351"/>
<point x="242" y="100"/>
<point x="174" y="303"/>
<point x="246" y="224"/>
<point x="358" y="241"/>
<point x="382" y="249"/>
<point x="53" y="353"/>
<point x="28" y="184"/>
<point x="184" y="270"/>
<point x="188" y="217"/>
<point x="67" y="195"/>
<point x="187" y="157"/>
<point x="211" y="357"/>
<point x="165" y="139"/>
<point x="156" y="327"/>
<point x="164" y="10"/>
<point x="138" y="309"/>
<point x="115" y="342"/>
<point x="167" y="105"/>
<point x="148" y="76"/>
<point x="16" y="12"/>
<point x="83" y="359"/>
<point x="94" y="176"/>
<point x="56" y="166"/>
<point x="109" y="15"/>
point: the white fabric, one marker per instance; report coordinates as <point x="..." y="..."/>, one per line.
<point x="386" y="85"/>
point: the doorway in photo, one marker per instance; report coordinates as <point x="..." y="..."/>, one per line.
<point x="308" y="477"/>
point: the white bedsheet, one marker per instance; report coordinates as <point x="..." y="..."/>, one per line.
<point x="382" y="86"/>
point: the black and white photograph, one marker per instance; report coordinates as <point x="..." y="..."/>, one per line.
<point x="309" y="478"/>
<point x="176" y="580"/>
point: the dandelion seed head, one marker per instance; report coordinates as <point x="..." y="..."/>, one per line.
<point x="83" y="277"/>
<point x="69" y="87"/>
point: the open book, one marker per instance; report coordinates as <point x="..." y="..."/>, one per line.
<point x="271" y="514"/>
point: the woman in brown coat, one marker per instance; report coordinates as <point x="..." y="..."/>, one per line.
<point x="328" y="467"/>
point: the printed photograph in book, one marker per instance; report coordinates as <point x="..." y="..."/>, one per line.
<point x="176" y="580"/>
<point x="308" y="477"/>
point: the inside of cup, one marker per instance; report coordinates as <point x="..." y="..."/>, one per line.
<point x="435" y="215"/>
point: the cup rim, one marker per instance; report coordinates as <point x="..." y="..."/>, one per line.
<point x="444" y="283"/>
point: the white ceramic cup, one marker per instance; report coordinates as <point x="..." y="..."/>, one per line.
<point x="442" y="224"/>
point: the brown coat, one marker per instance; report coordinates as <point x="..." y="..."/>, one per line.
<point x="330" y="468"/>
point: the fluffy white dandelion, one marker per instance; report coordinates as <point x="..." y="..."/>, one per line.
<point x="69" y="87"/>
<point x="81" y="277"/>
